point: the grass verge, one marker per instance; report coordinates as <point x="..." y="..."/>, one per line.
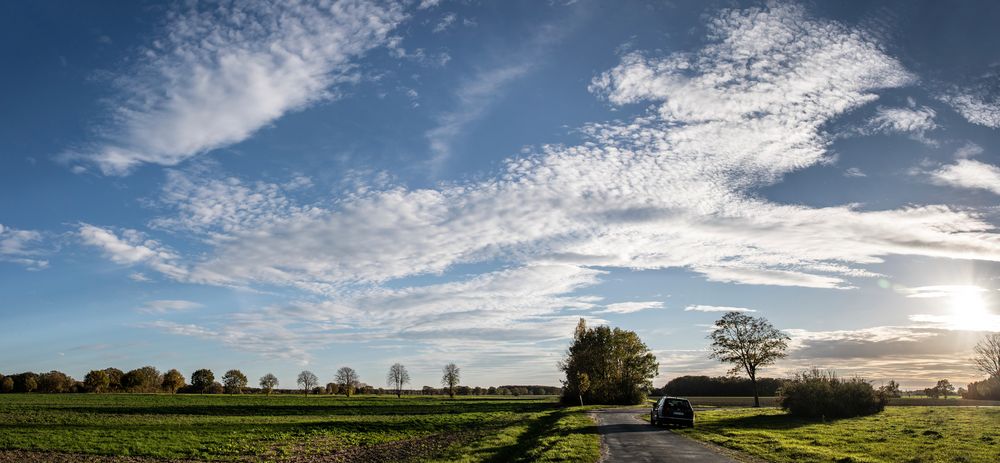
<point x="912" y="434"/>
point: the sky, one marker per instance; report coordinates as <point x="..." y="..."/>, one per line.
<point x="308" y="185"/>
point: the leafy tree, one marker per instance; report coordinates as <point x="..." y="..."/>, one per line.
<point x="891" y="389"/>
<point x="492" y="390"/>
<point x="987" y="355"/>
<point x="932" y="392"/>
<point x="450" y="377"/>
<point x="97" y="381"/>
<point x="7" y="385"/>
<point x="618" y="365"/>
<point x="748" y="343"/>
<point x="268" y="382"/>
<point x="145" y="379"/>
<point x="307" y="380"/>
<point x="54" y="381"/>
<point x="202" y="380"/>
<point x="234" y="381"/>
<point x="397" y="378"/>
<point x="172" y="381"/>
<point x="215" y="388"/>
<point x="348" y="380"/>
<point x="30" y="383"/>
<point x="114" y="379"/>
<point x="944" y="387"/>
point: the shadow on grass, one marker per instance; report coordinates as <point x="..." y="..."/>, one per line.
<point x="766" y="422"/>
<point x="533" y="442"/>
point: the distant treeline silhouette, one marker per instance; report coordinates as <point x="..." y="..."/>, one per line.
<point x="987" y="389"/>
<point x="718" y="386"/>
<point x="150" y="380"/>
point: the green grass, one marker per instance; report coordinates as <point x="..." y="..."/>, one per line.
<point x="899" y="434"/>
<point x="276" y="427"/>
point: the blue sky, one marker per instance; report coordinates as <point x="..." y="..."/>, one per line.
<point x="278" y="187"/>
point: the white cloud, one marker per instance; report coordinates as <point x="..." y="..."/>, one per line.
<point x="631" y="307"/>
<point x="672" y="188"/>
<point x="914" y="121"/>
<point x="426" y="4"/>
<point x="167" y="306"/>
<point x="854" y="172"/>
<point x="132" y="248"/>
<point x="518" y="306"/>
<point x="969" y="173"/>
<point x="218" y="74"/>
<point x="22" y="247"/>
<point x="968" y="150"/>
<point x="665" y="190"/>
<point x="446" y="22"/>
<point x="217" y="206"/>
<point x="716" y="308"/>
<point x="938" y="291"/>
<point x="975" y="105"/>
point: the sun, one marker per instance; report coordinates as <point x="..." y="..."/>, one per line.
<point x="968" y="308"/>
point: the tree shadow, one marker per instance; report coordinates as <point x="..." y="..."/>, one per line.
<point x="767" y="422"/>
<point x="533" y="439"/>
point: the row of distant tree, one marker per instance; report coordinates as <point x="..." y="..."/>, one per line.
<point x="150" y="380"/>
<point x="718" y="386"/>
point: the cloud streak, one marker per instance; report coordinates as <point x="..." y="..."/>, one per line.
<point x="218" y="74"/>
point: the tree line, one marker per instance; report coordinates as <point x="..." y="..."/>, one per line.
<point x="718" y="386"/>
<point x="346" y="381"/>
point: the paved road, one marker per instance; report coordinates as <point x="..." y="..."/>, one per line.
<point x="627" y="439"/>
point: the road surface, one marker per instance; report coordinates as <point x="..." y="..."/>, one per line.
<point x="625" y="438"/>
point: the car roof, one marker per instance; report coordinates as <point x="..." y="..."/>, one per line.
<point x="673" y="398"/>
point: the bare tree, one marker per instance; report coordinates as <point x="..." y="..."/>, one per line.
<point x="307" y="381"/>
<point x="348" y="380"/>
<point x="397" y="378"/>
<point x="748" y="343"/>
<point x="268" y="382"/>
<point x="450" y="378"/>
<point x="988" y="355"/>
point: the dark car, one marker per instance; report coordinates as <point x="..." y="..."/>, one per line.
<point x="672" y="410"/>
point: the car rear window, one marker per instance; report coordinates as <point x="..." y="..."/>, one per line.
<point x="675" y="404"/>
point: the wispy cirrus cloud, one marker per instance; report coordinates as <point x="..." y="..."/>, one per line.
<point x="716" y="308"/>
<point x="22" y="247"/>
<point x="132" y="248"/>
<point x="216" y="74"/>
<point x="163" y="306"/>
<point x="631" y="307"/>
<point x="938" y="291"/>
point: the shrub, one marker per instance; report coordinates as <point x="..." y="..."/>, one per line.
<point x="818" y="394"/>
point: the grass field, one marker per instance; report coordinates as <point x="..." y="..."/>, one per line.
<point x="297" y="428"/>
<point x="909" y="434"/>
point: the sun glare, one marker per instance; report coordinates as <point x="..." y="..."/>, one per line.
<point x="969" y="309"/>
